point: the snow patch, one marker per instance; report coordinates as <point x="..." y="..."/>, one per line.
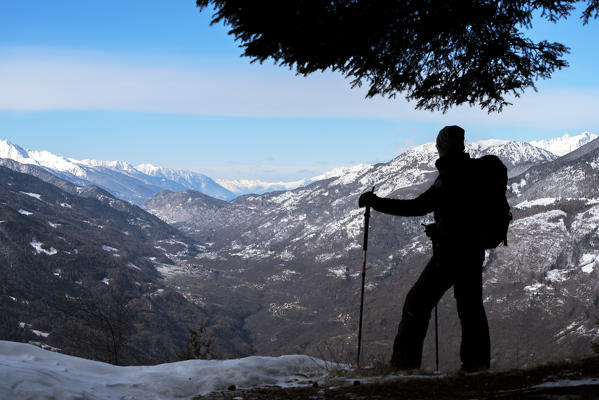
<point x="209" y="256"/>
<point x="341" y="271"/>
<point x="515" y="187"/>
<point x="369" y="287"/>
<point x="321" y="258"/>
<point x="40" y="333"/>
<point x="25" y="212"/>
<point x="547" y="221"/>
<point x="546" y="201"/>
<point x="30" y="372"/>
<point x="34" y="195"/>
<point x="556" y="275"/>
<point x="54" y="225"/>
<point x="131" y="265"/>
<point x="535" y="288"/>
<point x="167" y="270"/>
<point x="588" y="268"/>
<point x="587" y="262"/>
<point x="39" y="249"/>
<point x="568" y="383"/>
<point x="413" y="247"/>
<point x="253" y="251"/>
<point x="108" y="248"/>
<point x="587" y="259"/>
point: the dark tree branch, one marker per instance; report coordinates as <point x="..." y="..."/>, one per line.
<point x="439" y="54"/>
<point x="106" y="318"/>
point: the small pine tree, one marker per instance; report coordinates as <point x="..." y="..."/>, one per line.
<point x="197" y="347"/>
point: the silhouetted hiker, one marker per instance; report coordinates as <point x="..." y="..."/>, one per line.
<point x="458" y="255"/>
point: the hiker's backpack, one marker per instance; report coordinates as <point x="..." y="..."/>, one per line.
<point x="493" y="214"/>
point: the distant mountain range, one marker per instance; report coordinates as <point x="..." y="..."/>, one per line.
<point x="137" y="184"/>
<point x="123" y="180"/>
<point x="565" y="144"/>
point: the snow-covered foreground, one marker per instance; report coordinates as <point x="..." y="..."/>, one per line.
<point x="28" y="372"/>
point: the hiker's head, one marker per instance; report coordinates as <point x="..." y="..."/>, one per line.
<point x="450" y="140"/>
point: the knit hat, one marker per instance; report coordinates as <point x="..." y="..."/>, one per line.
<point x="450" y="139"/>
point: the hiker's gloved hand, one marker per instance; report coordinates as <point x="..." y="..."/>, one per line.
<point x="367" y="199"/>
<point x="430" y="230"/>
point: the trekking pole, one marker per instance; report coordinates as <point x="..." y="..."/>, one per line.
<point x="436" y="340"/>
<point x="365" y="248"/>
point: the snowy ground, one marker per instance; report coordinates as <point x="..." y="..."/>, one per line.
<point x="28" y="372"/>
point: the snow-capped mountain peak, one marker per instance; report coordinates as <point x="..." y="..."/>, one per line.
<point x="486" y="143"/>
<point x="565" y="144"/>
<point x="115" y="164"/>
<point x="514" y="151"/>
<point x="336" y="172"/>
<point x="120" y="178"/>
<point x="510" y="151"/>
<point x="14" y="152"/>
<point x="169" y="173"/>
<point x="188" y="180"/>
<point x="41" y="158"/>
<point x="416" y="166"/>
<point x="150" y="169"/>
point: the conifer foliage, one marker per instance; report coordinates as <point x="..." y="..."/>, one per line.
<point x="198" y="346"/>
<point x="439" y="54"/>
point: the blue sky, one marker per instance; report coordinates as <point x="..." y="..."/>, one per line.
<point x="152" y="81"/>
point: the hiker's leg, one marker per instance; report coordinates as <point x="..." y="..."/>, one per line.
<point x="426" y="292"/>
<point x="475" y="351"/>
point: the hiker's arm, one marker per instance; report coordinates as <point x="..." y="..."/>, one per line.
<point x="421" y="205"/>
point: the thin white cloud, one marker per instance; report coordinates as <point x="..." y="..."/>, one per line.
<point x="58" y="81"/>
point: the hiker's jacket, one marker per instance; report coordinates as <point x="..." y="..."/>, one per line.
<point x="450" y="198"/>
